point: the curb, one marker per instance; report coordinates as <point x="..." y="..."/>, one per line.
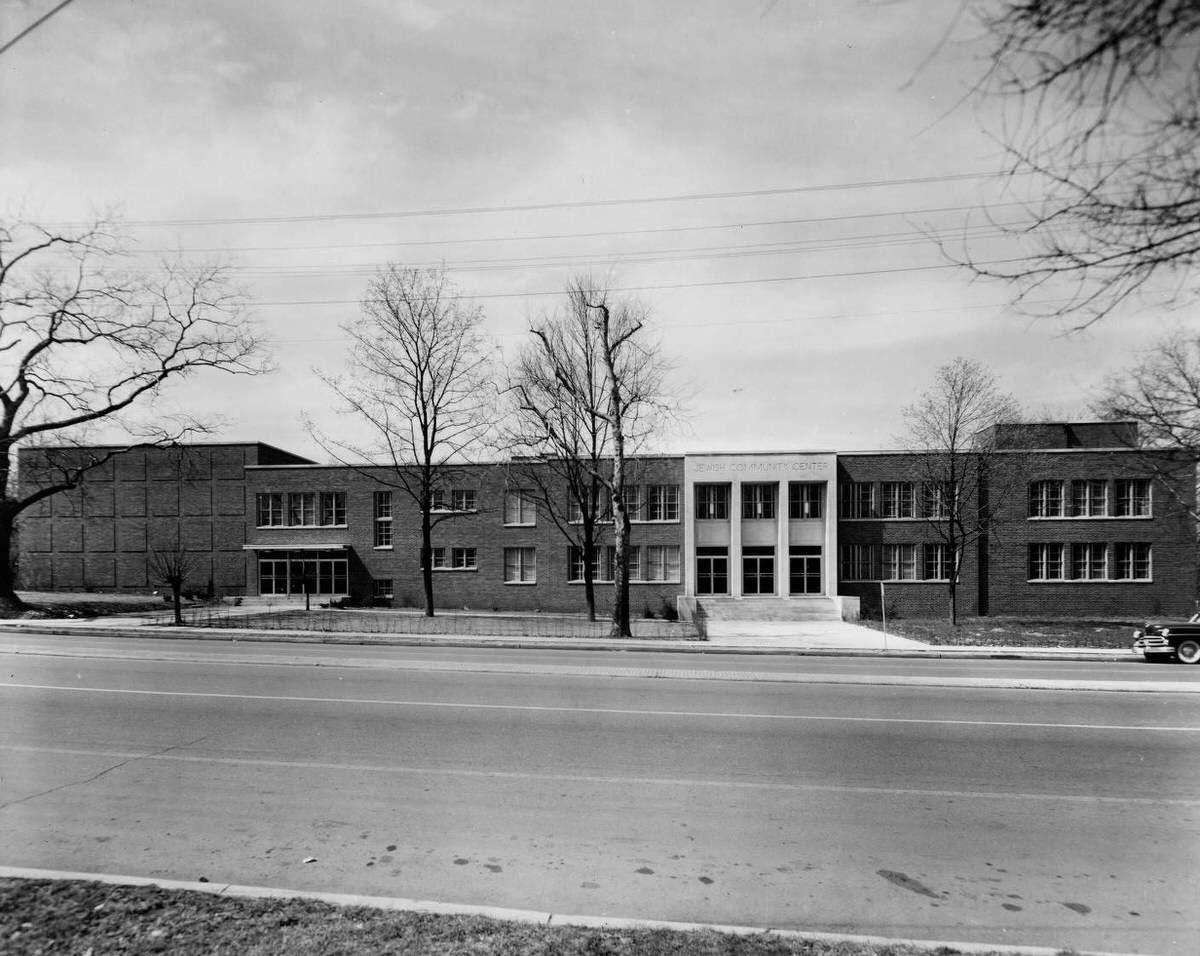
<point x="529" y="916"/>
<point x="636" y="645"/>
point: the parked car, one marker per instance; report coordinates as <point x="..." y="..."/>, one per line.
<point x="1179" y="640"/>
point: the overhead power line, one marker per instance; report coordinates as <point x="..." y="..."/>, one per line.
<point x="33" y="26"/>
<point x="603" y="234"/>
<point x="570" y="204"/>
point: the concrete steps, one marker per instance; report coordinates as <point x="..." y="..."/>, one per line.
<point x="769" y="609"/>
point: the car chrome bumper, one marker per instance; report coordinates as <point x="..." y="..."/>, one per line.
<point x="1152" y="645"/>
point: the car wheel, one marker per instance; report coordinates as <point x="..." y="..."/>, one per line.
<point x="1188" y="652"/>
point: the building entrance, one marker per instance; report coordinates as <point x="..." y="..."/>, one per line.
<point x="758" y="570"/>
<point x="712" y="570"/>
<point x="804" y="569"/>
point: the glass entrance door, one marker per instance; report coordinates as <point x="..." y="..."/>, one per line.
<point x="804" y="569"/>
<point x="758" y="570"/>
<point x="712" y="570"/>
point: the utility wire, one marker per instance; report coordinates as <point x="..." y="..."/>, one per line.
<point x="33" y="26"/>
<point x="570" y="204"/>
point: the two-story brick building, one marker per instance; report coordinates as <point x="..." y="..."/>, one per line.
<point x="1081" y="523"/>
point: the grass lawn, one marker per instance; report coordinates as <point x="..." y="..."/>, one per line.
<point x="1015" y="632"/>
<point x="97" y="919"/>
<point x="52" y="604"/>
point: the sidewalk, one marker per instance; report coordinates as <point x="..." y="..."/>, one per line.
<point x="838" y="638"/>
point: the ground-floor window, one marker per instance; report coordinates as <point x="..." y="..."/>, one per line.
<point x="311" y="575"/>
<point x="384" y="591"/>
<point x="758" y="569"/>
<point x="712" y="570"/>
<point x="520" y="566"/>
<point x="804" y="569"/>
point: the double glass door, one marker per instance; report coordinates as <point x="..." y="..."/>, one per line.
<point x="758" y="570"/>
<point x="804" y="569"/>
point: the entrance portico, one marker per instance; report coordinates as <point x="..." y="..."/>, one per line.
<point x="758" y="525"/>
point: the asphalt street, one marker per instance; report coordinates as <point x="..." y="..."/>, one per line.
<point x="1065" y="818"/>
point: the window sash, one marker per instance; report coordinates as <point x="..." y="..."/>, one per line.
<point x="858" y="500"/>
<point x="1046" y="499"/>
<point x="1089" y="498"/>
<point x="1046" y="562"/>
<point x="712" y="502"/>
<point x="804" y="500"/>
<point x="758" y="500"/>
<point x="662" y="502"/>
<point x="1132" y="562"/>
<point x="519" y="508"/>
<point x="1089" y="562"/>
<point x="1132" y="498"/>
<point x="896" y="500"/>
<point x="662" y="562"/>
<point x="270" y="510"/>
<point x="899" y="562"/>
<point x="520" y="565"/>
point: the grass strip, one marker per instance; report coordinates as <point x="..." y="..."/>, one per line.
<point x="42" y="917"/>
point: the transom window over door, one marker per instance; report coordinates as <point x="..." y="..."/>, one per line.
<point x="758" y="500"/>
<point x="758" y="570"/>
<point x="712" y="502"/>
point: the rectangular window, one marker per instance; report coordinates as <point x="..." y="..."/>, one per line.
<point x="858" y="500"/>
<point x="899" y="562"/>
<point x="633" y="563"/>
<point x="1089" y="499"/>
<point x="519" y="508"/>
<point x="1132" y="562"/>
<point x="631" y="498"/>
<point x="604" y="562"/>
<point x="896" y="499"/>
<point x="438" y="556"/>
<point x="936" y="563"/>
<point x="383" y="519"/>
<point x="270" y="510"/>
<point x="1046" y="499"/>
<point x="302" y="508"/>
<point x="384" y="590"/>
<point x="758" y="500"/>
<point x="804" y="499"/>
<point x="464" y="499"/>
<point x="333" y="508"/>
<point x="1046" y="562"/>
<point x="1132" y="499"/>
<point x="662" y="502"/>
<point x="937" y="499"/>
<point x="1089" y="562"/>
<point x="712" y="502"/>
<point x="463" y="559"/>
<point x="858" y="562"/>
<point x="662" y="563"/>
<point x="520" y="566"/>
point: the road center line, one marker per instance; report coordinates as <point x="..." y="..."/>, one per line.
<point x="606" y="780"/>
<point x="610" y="711"/>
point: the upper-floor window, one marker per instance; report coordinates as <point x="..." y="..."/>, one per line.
<point x="712" y="502"/>
<point x="599" y="508"/>
<point x="458" y="499"/>
<point x="310" y="509"/>
<point x="1132" y="498"/>
<point x="662" y="502"/>
<point x="383" y="519"/>
<point x="270" y="510"/>
<point x="858" y="499"/>
<point x="896" y="499"/>
<point x="631" y="499"/>
<point x="1046" y="499"/>
<point x="937" y="499"/>
<point x="453" y="559"/>
<point x="804" y="499"/>
<point x="519" y="508"/>
<point x="758" y="500"/>
<point x="1089" y="498"/>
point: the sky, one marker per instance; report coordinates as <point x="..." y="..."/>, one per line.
<point x="769" y="178"/>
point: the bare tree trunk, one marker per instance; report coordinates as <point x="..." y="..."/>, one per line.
<point x="620" y="618"/>
<point x="177" y="600"/>
<point x="10" y="604"/>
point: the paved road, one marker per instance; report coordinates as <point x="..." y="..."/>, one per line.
<point x="964" y="813"/>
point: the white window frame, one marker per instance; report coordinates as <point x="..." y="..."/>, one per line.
<point x="520" y="510"/>
<point x="662" y="503"/>
<point x="520" y="566"/>
<point x="896" y="499"/>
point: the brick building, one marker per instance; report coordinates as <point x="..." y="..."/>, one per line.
<point x="1084" y="525"/>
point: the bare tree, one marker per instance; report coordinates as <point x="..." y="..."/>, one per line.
<point x="87" y="338"/>
<point x="1105" y="113"/>
<point x="173" y="566"/>
<point x="963" y="484"/>
<point x="1161" y="393"/>
<point x="557" y="431"/>
<point x="420" y="380"/>
<point x="590" y="389"/>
